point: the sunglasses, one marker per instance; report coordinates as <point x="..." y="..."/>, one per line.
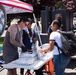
<point x="28" y="24"/>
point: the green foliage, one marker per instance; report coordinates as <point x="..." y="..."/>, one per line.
<point x="59" y="4"/>
<point x="1" y="40"/>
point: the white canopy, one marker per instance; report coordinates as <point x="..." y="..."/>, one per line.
<point x="16" y="6"/>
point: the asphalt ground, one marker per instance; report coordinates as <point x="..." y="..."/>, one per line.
<point x="70" y="69"/>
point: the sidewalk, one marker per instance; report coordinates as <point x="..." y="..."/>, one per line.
<point x="4" y="72"/>
<point x="68" y="71"/>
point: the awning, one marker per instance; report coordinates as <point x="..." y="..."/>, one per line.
<point x="17" y="4"/>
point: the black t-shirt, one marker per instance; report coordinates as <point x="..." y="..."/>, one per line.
<point x="28" y="37"/>
<point x="49" y="29"/>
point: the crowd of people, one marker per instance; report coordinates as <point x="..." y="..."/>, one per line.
<point x="23" y="36"/>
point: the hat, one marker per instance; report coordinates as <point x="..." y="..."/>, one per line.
<point x="24" y="19"/>
<point x="29" y="20"/>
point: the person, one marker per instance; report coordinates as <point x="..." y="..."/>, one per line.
<point x="49" y="66"/>
<point x="59" y="59"/>
<point x="74" y="25"/>
<point x="29" y="38"/>
<point x="37" y="30"/>
<point x="13" y="40"/>
<point x="57" y="17"/>
<point x="49" y="31"/>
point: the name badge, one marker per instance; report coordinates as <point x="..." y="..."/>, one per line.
<point x="31" y="39"/>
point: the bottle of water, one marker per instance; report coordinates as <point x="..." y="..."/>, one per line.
<point x="37" y="45"/>
<point x="37" y="49"/>
<point x="33" y="48"/>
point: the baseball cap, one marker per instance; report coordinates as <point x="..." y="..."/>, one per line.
<point x="24" y="19"/>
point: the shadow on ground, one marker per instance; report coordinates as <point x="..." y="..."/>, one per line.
<point x="72" y="64"/>
<point x="72" y="67"/>
<point x="70" y="74"/>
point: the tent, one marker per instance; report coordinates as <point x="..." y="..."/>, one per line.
<point x="5" y="7"/>
<point x="22" y="5"/>
<point x="18" y="4"/>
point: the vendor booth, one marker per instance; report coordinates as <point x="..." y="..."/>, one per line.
<point x="37" y="60"/>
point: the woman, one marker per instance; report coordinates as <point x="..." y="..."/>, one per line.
<point x="60" y="60"/>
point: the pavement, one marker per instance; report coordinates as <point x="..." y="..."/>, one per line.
<point x="4" y="72"/>
<point x="70" y="70"/>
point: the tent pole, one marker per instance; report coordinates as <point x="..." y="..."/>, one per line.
<point x="35" y="20"/>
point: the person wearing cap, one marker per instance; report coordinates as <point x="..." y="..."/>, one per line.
<point x="29" y="38"/>
<point x="13" y="40"/>
<point x="60" y="60"/>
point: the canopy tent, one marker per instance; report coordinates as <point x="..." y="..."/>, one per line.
<point x="11" y="3"/>
<point x="14" y="10"/>
<point x="16" y="5"/>
<point x="22" y="5"/>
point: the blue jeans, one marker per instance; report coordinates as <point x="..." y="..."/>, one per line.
<point x="60" y="63"/>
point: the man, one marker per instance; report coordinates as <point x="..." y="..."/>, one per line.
<point x="60" y="60"/>
<point x="29" y="39"/>
<point x="13" y="40"/>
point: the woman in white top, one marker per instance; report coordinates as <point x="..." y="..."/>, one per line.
<point x="60" y="60"/>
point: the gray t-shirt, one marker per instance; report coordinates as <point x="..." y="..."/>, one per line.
<point x="10" y="51"/>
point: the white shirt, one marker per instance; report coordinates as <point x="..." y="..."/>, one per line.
<point x="37" y="29"/>
<point x="57" y="37"/>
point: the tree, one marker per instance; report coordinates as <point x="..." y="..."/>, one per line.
<point x="57" y="4"/>
<point x="70" y="4"/>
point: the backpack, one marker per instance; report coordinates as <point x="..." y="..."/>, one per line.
<point x="68" y="43"/>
